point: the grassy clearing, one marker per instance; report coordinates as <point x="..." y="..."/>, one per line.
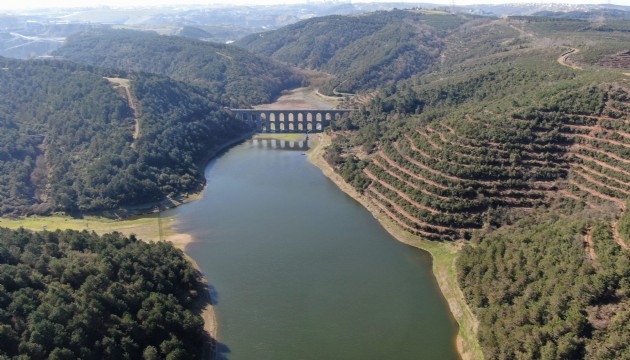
<point x="444" y="258"/>
<point x="119" y="82"/>
<point x="145" y="227"/>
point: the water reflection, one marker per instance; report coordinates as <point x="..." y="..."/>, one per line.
<point x="278" y="144"/>
<point x="300" y="271"/>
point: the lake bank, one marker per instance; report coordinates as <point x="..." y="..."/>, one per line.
<point x="444" y="256"/>
<point x="302" y="98"/>
<point x="299" y="270"/>
<point x="178" y="199"/>
<point x="150" y="227"/>
<point x="153" y="227"/>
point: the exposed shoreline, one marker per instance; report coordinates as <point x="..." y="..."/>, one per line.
<point x="443" y="257"/>
<point x="204" y="301"/>
<point x="169" y="203"/>
<point x="443" y="254"/>
<point x="146" y="229"/>
<point x="141" y="221"/>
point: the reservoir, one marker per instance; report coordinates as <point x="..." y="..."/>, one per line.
<point x="300" y="270"/>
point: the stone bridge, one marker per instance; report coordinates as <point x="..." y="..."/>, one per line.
<point x="288" y="121"/>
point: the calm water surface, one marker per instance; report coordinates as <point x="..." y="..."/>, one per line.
<point x="302" y="271"/>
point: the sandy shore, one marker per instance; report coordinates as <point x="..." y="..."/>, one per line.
<point x="302" y="98"/>
<point x="443" y="255"/>
<point x="204" y="302"/>
<point x="181" y="241"/>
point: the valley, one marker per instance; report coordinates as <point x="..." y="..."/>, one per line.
<point x="302" y="98"/>
<point x="500" y="146"/>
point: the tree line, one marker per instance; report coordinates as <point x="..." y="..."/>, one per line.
<point x="70" y="294"/>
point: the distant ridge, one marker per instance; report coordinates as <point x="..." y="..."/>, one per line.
<point x="231" y="75"/>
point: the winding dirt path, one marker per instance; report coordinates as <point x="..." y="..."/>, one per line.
<point x="126" y="85"/>
<point x="562" y="60"/>
<point x="589" y="246"/>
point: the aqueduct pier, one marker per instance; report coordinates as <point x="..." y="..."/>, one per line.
<point x="288" y="121"/>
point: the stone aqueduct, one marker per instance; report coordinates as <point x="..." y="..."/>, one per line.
<point x="287" y="121"/>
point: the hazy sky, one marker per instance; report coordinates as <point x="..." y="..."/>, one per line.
<point x="33" y="4"/>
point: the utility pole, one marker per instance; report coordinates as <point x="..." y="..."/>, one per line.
<point x="159" y="224"/>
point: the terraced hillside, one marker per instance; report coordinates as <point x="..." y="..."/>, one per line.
<point x="452" y="180"/>
<point x="598" y="150"/>
<point x="480" y="134"/>
<point x="506" y="149"/>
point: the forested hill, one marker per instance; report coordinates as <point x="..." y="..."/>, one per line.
<point x="517" y="144"/>
<point x="362" y="51"/>
<point x="231" y="75"/>
<point x="77" y="295"/>
<point x="76" y="138"/>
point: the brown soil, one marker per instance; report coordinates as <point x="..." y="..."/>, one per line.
<point x="597" y="194"/>
<point x="618" y="184"/>
<point x="413" y="219"/>
<point x="601" y="163"/>
<point x="428" y="139"/>
<point x="592" y="129"/>
<point x="459" y="136"/>
<point x="416" y="176"/>
<point x="589" y="247"/>
<point x="418" y="150"/>
<point x="566" y="194"/>
<point x="376" y="162"/>
<point x="593" y="138"/>
<point x="445" y="140"/>
<point x="302" y="98"/>
<point x="616" y="61"/>
<point x="437" y="172"/>
<point x="386" y="211"/>
<point x="421" y="165"/>
<point x="398" y="192"/>
<point x="595" y="117"/>
<point x="590" y="148"/>
<point x="133" y="104"/>
<point x="416" y="187"/>
<point x="564" y="59"/>
<point x="366" y="98"/>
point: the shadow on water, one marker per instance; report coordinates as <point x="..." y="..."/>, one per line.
<point x="221" y="351"/>
<point x="207" y="295"/>
<point x="277" y="144"/>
